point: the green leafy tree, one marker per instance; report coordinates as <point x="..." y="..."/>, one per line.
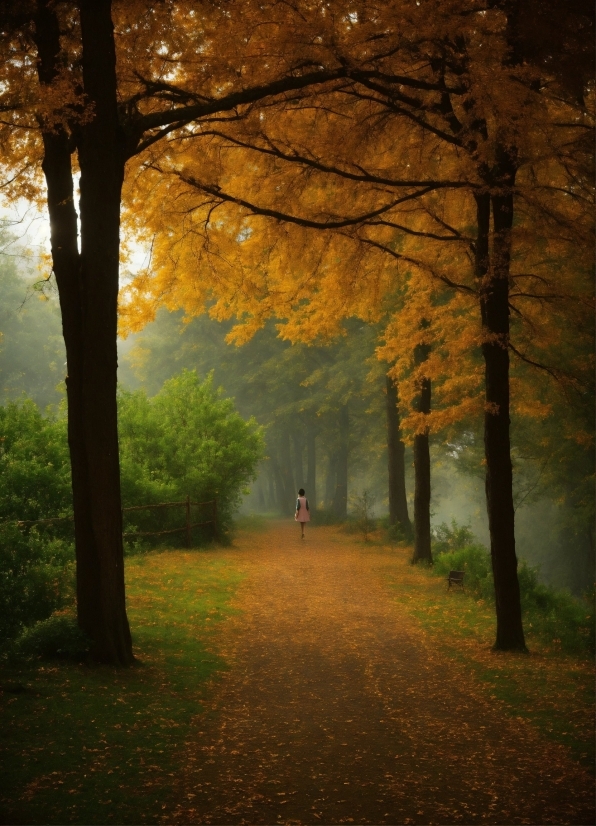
<point x="36" y="564"/>
<point x="299" y="392"/>
<point x="186" y="440"/>
<point x="34" y="464"/>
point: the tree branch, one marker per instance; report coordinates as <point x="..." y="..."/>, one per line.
<point x="363" y="177"/>
<point x="182" y="115"/>
<point x="287" y="217"/>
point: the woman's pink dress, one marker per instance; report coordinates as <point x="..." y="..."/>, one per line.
<point x="303" y="515"/>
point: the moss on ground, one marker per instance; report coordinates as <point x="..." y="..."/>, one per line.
<point x="551" y="689"/>
<point x="91" y="744"/>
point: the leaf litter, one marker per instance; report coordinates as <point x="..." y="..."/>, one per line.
<point x="339" y="698"/>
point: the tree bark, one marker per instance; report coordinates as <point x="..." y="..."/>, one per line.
<point x="398" y="503"/>
<point x="101" y="159"/>
<point x="422" y="547"/>
<point x="340" y="498"/>
<point x="88" y="290"/>
<point x="422" y="489"/>
<point x="494" y="298"/>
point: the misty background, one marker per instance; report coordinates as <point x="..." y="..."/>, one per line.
<point x="318" y="404"/>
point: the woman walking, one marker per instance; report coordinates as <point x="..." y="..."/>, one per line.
<point x="302" y="514"/>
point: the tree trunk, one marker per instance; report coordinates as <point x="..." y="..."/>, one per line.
<point x="398" y="503"/>
<point x="285" y="468"/>
<point x="494" y="297"/>
<point x="298" y="446"/>
<point x="311" y="468"/>
<point x="340" y="498"/>
<point x="88" y="289"/>
<point x="422" y="549"/>
<point x="280" y="490"/>
<point x="330" y="480"/>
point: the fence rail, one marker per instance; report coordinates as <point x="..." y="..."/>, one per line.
<point x="187" y="528"/>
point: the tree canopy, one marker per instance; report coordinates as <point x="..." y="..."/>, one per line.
<point x="426" y="166"/>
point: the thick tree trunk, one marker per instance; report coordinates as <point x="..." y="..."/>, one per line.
<point x="100" y="582"/>
<point x="494" y="297"/>
<point x="398" y="503"/>
<point x="88" y="289"/>
<point x="340" y="498"/>
<point x="422" y="548"/>
<point x="311" y="468"/>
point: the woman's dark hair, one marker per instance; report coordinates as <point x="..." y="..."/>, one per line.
<point x="301" y="492"/>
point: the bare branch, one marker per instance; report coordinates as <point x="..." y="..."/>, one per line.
<point x="363" y="177"/>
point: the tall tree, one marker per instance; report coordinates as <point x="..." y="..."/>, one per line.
<point x="396" y="450"/>
<point x="447" y="88"/>
<point x="81" y="106"/>
<point x="422" y="548"/>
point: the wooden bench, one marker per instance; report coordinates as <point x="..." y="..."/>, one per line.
<point x="456" y="578"/>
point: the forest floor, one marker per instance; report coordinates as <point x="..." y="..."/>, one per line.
<point x="300" y="682"/>
<point x="338" y="706"/>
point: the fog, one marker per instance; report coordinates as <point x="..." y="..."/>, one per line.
<point x="300" y="395"/>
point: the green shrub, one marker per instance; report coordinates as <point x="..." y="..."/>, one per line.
<point x="554" y="616"/>
<point x="57" y="636"/>
<point x="34" y="466"/>
<point x="186" y="440"/>
<point x="36" y="578"/>
<point x="475" y="561"/>
<point x="395" y="532"/>
<point x="452" y="538"/>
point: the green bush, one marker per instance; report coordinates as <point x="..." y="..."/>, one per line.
<point x="36" y="578"/>
<point x="446" y="538"/>
<point x="34" y="466"/>
<point x="395" y="532"/>
<point x="57" y="636"/>
<point x="186" y="440"/>
<point x="554" y="616"/>
<point x="475" y="561"/>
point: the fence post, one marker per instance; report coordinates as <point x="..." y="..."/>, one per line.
<point x="215" y="535"/>
<point x="188" y="521"/>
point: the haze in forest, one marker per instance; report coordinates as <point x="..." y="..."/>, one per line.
<point x="289" y="388"/>
<point x="387" y="210"/>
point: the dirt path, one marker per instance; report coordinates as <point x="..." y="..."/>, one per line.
<point x="336" y="710"/>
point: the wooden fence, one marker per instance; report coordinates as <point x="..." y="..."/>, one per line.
<point x="187" y="528"/>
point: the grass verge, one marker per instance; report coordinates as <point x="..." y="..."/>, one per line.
<point x="552" y="690"/>
<point x="90" y="744"/>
